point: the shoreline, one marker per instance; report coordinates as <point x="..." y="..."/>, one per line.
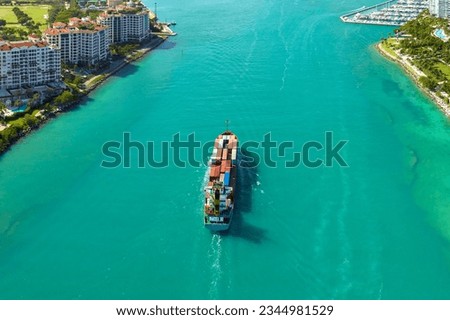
<point x="143" y="50"/>
<point x="414" y="73"/>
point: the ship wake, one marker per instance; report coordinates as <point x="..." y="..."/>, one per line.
<point x="214" y="257"/>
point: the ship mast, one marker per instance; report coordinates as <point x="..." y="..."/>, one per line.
<point x="227" y="122"/>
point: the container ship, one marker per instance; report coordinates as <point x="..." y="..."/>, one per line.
<point x="220" y="190"/>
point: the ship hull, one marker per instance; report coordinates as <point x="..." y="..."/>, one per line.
<point x="216" y="227"/>
<point x="221" y="187"/>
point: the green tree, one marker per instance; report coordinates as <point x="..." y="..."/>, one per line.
<point x="73" y="4"/>
<point x="2" y="109"/>
<point x="48" y="108"/>
<point x="11" y="133"/>
<point x="18" y="103"/>
<point x="64" y="98"/>
<point x="428" y="83"/>
<point x="65" y="15"/>
<point x="34" y="100"/>
<point x="30" y="120"/>
<point x="54" y="11"/>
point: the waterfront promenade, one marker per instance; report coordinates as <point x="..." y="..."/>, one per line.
<point x="95" y="81"/>
<point x="117" y="65"/>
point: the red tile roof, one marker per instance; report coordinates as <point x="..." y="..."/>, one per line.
<point x="59" y="25"/>
<point x="76" y="25"/>
<point x="20" y="44"/>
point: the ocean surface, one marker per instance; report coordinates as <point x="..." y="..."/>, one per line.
<point x="377" y="229"/>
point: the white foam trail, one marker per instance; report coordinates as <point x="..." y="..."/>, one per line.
<point x="342" y="220"/>
<point x="204" y="179"/>
<point x="324" y="223"/>
<point x="380" y="292"/>
<point x="373" y="279"/>
<point x="215" y="254"/>
<point x="286" y="48"/>
<point x="345" y="267"/>
<point x="306" y="31"/>
<point x="201" y="185"/>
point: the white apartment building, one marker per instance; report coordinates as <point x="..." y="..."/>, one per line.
<point x="440" y="8"/>
<point x="126" y="23"/>
<point x="28" y="63"/>
<point x="81" y="41"/>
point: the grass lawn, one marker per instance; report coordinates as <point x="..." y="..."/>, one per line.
<point x="7" y="14"/>
<point x="36" y="12"/>
<point x="444" y="68"/>
<point x="389" y="45"/>
<point x="21" y="121"/>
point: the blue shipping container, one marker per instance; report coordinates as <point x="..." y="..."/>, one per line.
<point x="226" y="179"/>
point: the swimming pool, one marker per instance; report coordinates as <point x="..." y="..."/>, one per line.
<point x="440" y="34"/>
<point x="22" y="108"/>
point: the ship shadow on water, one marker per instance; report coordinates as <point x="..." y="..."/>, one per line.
<point x="247" y="178"/>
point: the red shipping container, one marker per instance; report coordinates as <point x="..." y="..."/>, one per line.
<point x="225" y="166"/>
<point x="214" y="172"/>
<point x="222" y="166"/>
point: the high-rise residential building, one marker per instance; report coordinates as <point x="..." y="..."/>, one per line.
<point x="127" y="23"/>
<point x="433" y="6"/>
<point x="440" y="8"/>
<point x="81" y="41"/>
<point x="28" y="63"/>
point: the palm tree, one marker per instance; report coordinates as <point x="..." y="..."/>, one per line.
<point x="2" y="109"/>
<point x="34" y="100"/>
<point x="18" y="103"/>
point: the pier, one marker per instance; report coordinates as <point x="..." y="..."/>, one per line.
<point x="388" y="13"/>
<point x="165" y="30"/>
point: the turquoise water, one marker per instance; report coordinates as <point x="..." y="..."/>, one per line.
<point x="379" y="229"/>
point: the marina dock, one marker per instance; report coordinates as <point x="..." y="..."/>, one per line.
<point x="388" y="13"/>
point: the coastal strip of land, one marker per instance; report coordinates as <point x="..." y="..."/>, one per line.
<point x="70" y="69"/>
<point x="422" y="48"/>
<point x="145" y="48"/>
<point x="415" y="74"/>
<point x="37" y="118"/>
